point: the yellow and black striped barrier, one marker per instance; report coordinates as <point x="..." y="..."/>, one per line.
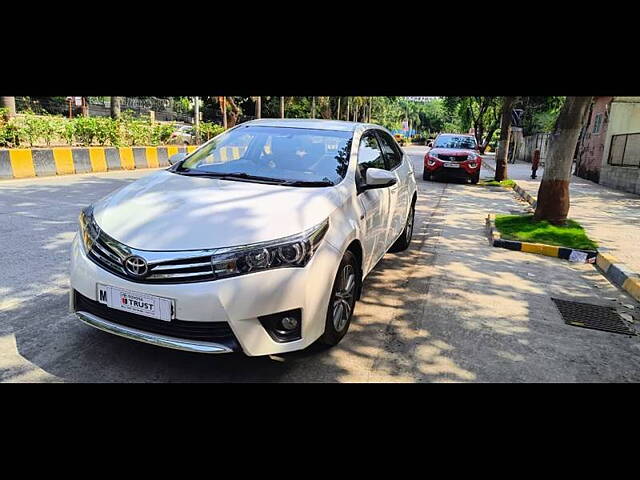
<point x="44" y="162"/>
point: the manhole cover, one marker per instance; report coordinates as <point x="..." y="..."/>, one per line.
<point x="596" y="317"/>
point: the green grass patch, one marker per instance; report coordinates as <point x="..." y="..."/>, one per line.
<point x="490" y="182"/>
<point x="524" y="229"/>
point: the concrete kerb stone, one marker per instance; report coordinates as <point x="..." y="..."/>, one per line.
<point x="571" y="254"/>
<point x="610" y="267"/>
<point x="38" y="162"/>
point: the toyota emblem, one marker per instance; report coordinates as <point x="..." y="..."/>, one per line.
<point x="136" y="266"/>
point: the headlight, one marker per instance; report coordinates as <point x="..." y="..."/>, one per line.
<point x="89" y="230"/>
<point x="293" y="251"/>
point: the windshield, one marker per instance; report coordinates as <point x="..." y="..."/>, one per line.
<point x="455" y="141"/>
<point x="274" y="153"/>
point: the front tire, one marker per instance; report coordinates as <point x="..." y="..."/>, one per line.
<point x="342" y="301"/>
<point x="403" y="242"/>
<point x="476" y="178"/>
<point x="426" y="175"/>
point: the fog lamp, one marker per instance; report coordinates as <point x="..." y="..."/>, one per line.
<point x="289" y="323"/>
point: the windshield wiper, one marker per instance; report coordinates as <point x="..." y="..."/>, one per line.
<point x="308" y="183"/>
<point x="240" y="176"/>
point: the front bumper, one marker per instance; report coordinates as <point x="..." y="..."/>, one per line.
<point x="153" y="338"/>
<point x="463" y="172"/>
<point x="239" y="301"/>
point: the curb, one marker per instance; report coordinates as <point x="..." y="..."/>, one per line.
<point x="522" y="193"/>
<point x="612" y="269"/>
<point x="618" y="273"/>
<point x="44" y="162"/>
<point x="571" y="254"/>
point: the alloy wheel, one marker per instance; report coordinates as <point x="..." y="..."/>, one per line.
<point x="344" y="298"/>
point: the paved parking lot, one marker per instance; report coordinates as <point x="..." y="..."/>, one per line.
<point x="450" y="309"/>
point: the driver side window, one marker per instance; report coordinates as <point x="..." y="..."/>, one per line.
<point x="369" y="154"/>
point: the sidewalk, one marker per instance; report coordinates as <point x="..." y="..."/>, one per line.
<point x="611" y="217"/>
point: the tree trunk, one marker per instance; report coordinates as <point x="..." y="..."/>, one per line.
<point x="313" y="107"/>
<point x="503" y="144"/>
<point x="10" y="104"/>
<point x="338" y="112"/>
<point x="553" y="194"/>
<point x="281" y="107"/>
<point x="348" y="106"/>
<point x="196" y="116"/>
<point x="259" y="107"/>
<point x="223" y="107"/>
<point x="369" y="109"/>
<point x="115" y="107"/>
<point x="234" y="113"/>
<point x="85" y="106"/>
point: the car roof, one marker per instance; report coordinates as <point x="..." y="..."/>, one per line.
<point x="314" y="123"/>
<point x="458" y="134"/>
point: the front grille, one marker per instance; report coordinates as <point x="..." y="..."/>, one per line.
<point x="203" y="331"/>
<point x="111" y="254"/>
<point x="452" y="158"/>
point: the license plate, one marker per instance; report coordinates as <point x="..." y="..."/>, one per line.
<point x="451" y="164"/>
<point x="134" y="302"/>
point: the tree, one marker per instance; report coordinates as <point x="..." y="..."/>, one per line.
<point x="553" y="195"/>
<point x="115" y="107"/>
<point x="10" y="104"/>
<point x="503" y="145"/>
<point x="480" y="113"/>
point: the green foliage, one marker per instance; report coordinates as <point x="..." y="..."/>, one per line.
<point x="209" y="130"/>
<point x="490" y="182"/>
<point x="127" y="130"/>
<point x="84" y="130"/>
<point x="161" y="132"/>
<point x="540" y="113"/>
<point x="9" y="132"/>
<point x="523" y="228"/>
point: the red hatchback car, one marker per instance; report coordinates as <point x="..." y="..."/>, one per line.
<point x="455" y="156"/>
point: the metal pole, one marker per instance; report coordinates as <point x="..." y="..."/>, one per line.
<point x="196" y="111"/>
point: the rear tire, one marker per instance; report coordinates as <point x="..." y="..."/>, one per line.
<point x="403" y="242"/>
<point x="342" y="301"/>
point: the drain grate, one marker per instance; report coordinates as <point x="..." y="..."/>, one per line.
<point x="596" y="317"/>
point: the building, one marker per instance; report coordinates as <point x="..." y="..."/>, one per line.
<point x="609" y="147"/>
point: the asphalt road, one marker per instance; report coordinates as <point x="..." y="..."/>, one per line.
<point x="451" y="308"/>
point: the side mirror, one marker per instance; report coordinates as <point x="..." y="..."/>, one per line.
<point x="378" y="178"/>
<point x="178" y="157"/>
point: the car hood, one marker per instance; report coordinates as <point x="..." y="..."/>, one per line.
<point x="452" y="151"/>
<point x="166" y="211"/>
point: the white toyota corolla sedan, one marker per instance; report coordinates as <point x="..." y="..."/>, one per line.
<point x="256" y="242"/>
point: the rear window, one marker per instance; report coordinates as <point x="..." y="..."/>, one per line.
<point x="455" y="141"/>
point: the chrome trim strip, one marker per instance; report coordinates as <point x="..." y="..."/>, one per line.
<point x="104" y="252"/>
<point x="163" y="267"/>
<point x="105" y="260"/>
<point x="157" y="276"/>
<point x="152" y="338"/>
